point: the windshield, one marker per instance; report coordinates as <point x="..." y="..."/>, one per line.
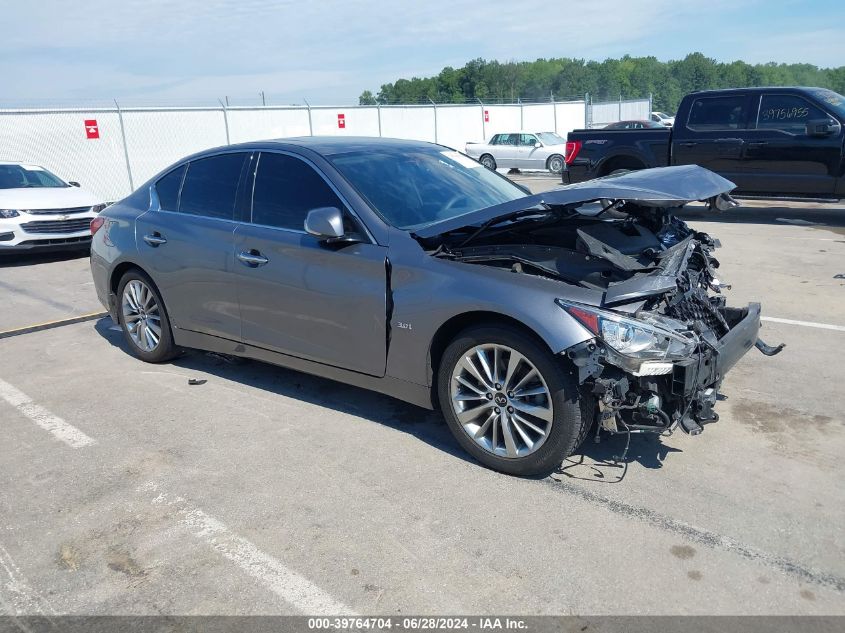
<point x="27" y="176"/>
<point x="832" y="100"/>
<point x="550" y="138"/>
<point x="413" y="188"/>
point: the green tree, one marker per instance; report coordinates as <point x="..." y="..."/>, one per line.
<point x="631" y="77"/>
<point x="367" y="98"/>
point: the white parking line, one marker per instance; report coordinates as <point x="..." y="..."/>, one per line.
<point x="823" y="326"/>
<point x="299" y="592"/>
<point x="53" y="424"/>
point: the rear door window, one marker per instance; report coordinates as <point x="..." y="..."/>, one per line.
<point x="787" y="113"/>
<point x="527" y="139"/>
<point x="168" y="187"/>
<point x="211" y="186"/>
<point x="718" y="113"/>
<point x="286" y="189"/>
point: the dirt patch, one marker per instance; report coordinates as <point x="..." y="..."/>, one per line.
<point x="69" y="557"/>
<point x="694" y="574"/>
<point x="684" y="552"/>
<point x="122" y="562"/>
<point x="808" y="595"/>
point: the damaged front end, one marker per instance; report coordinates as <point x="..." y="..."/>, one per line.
<point x="663" y="337"/>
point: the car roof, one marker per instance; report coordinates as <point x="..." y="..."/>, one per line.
<point x="757" y="89"/>
<point x="329" y="145"/>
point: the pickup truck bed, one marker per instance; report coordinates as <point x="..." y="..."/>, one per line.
<point x="771" y="142"/>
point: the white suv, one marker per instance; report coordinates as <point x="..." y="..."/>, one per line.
<point x="39" y="210"/>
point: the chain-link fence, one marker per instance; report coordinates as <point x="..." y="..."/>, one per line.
<point x="113" y="150"/>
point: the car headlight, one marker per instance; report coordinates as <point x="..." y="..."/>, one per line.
<point x="635" y="339"/>
<point x="97" y="208"/>
<point x="8" y="213"/>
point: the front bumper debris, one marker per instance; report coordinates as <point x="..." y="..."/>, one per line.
<point x="637" y="401"/>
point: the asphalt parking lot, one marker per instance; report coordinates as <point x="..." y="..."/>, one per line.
<point x="125" y="490"/>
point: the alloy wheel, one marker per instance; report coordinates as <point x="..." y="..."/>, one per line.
<point x="501" y="400"/>
<point x="141" y="315"/>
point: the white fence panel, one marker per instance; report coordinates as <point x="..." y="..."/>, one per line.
<point x="458" y="124"/>
<point x="356" y="121"/>
<point x="502" y="118"/>
<point x="635" y="111"/>
<point x="157" y="138"/>
<point x="264" y="123"/>
<point x="570" y="116"/>
<point x="413" y="122"/>
<point x="58" y="142"/>
<point x="538" y="117"/>
<point x="611" y="111"/>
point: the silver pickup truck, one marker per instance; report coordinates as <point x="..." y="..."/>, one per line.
<point x="521" y="150"/>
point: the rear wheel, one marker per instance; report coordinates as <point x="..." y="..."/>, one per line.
<point x="488" y="161"/>
<point x="509" y="401"/>
<point x="143" y="318"/>
<point x="555" y="163"/>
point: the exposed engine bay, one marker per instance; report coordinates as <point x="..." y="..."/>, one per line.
<point x="664" y="335"/>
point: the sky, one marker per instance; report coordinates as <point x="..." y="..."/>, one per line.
<point x="198" y="51"/>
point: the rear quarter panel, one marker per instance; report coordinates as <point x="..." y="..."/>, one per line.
<point x="114" y="244"/>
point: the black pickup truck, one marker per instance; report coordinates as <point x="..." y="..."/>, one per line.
<point x="771" y="142"/>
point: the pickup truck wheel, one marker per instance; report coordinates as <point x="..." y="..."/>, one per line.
<point x="488" y="161"/>
<point x="509" y="402"/>
<point x="555" y="163"/>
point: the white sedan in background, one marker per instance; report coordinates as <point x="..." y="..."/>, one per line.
<point x="521" y="150"/>
<point x="40" y="211"/>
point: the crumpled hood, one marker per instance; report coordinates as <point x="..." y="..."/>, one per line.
<point x="47" y="198"/>
<point x="657" y="187"/>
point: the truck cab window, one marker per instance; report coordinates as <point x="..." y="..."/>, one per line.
<point x="787" y="113"/>
<point x="718" y="113"/>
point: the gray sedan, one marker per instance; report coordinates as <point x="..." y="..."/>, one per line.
<point x="409" y="269"/>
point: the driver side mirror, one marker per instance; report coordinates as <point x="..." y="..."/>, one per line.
<point x="823" y="127"/>
<point x="538" y="144"/>
<point x="73" y="183"/>
<point x="324" y="223"/>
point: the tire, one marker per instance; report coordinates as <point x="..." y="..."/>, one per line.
<point x="555" y="421"/>
<point x="555" y="164"/>
<point x="488" y="161"/>
<point x="139" y="302"/>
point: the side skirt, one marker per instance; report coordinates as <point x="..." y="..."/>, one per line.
<point x="419" y="395"/>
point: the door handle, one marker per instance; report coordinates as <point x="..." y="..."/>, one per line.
<point x="252" y="258"/>
<point x="155" y="239"/>
<point x="757" y="144"/>
<point x="689" y="144"/>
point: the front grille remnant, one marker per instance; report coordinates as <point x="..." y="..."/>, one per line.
<point x="695" y="306"/>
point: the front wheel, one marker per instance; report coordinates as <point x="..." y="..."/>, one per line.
<point x="555" y="164"/>
<point x="510" y="402"/>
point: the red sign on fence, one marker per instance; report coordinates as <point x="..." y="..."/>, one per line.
<point x="92" y="130"/>
<point x="487" y="116"/>
<point x="341" y="121"/>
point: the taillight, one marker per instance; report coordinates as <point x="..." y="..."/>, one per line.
<point x="572" y="149"/>
<point x="97" y="224"/>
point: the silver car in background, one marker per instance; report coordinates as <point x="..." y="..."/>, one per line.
<point x="409" y="269"/>
<point x="521" y="150"/>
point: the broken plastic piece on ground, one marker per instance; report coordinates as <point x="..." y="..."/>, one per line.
<point x="769" y="350"/>
<point x="197" y="381"/>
